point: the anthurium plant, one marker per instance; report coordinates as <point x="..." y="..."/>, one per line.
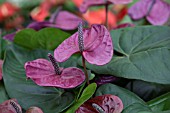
<point x="85" y="56"/>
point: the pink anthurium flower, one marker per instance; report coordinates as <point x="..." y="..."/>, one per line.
<point x="87" y="3"/>
<point x="95" y="44"/>
<point x="10" y="106"/>
<point x="157" y="12"/>
<point x="1" y="62"/>
<point x="102" y="104"/>
<point x="65" y="20"/>
<point x="45" y="73"/>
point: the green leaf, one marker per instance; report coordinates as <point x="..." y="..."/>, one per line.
<point x="147" y="90"/>
<point x="128" y="98"/>
<point x="3" y="94"/>
<point x="25" y="3"/>
<point x="47" y="38"/>
<point x="87" y="93"/>
<point x="137" y="108"/>
<point x="3" y="45"/>
<point x="160" y="103"/>
<point x="167" y="1"/>
<point x="145" y="54"/>
<point x="49" y="99"/>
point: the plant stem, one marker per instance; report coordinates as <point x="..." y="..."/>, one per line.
<point x="85" y="70"/>
<point x="106" y="20"/>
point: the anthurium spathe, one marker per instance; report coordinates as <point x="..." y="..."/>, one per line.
<point x="87" y="3"/>
<point x="65" y="20"/>
<point x="45" y="73"/>
<point x="102" y="104"/>
<point x="10" y="106"/>
<point x="157" y="12"/>
<point x="97" y="46"/>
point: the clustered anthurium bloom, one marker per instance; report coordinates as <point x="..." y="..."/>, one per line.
<point x="102" y="104"/>
<point x="10" y="106"/>
<point x="157" y="12"/>
<point x="97" y="42"/>
<point x="87" y="3"/>
<point x="45" y="73"/>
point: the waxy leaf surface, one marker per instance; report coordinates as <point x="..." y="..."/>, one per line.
<point x="49" y="99"/>
<point x="145" y="54"/>
<point x="86" y="94"/>
<point x="47" y="38"/>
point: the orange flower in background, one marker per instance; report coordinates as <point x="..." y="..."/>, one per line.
<point x="99" y="17"/>
<point x="7" y="10"/>
<point x="39" y="14"/>
<point x="77" y="2"/>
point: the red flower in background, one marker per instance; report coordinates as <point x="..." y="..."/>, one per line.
<point x="7" y="10"/>
<point x="43" y="11"/>
<point x="99" y="17"/>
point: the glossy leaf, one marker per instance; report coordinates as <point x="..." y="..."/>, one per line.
<point x="161" y="103"/>
<point x="86" y="94"/>
<point x="147" y="90"/>
<point x="49" y="99"/>
<point x="145" y="54"/>
<point x="3" y="45"/>
<point x="47" y="38"/>
<point x="3" y="93"/>
<point x="137" y="108"/>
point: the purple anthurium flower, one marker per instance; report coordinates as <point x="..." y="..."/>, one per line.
<point x="65" y="20"/>
<point x="95" y="44"/>
<point x="10" y="106"/>
<point x="103" y="79"/>
<point x="102" y="104"/>
<point x="124" y="25"/>
<point x="157" y="12"/>
<point x="45" y="73"/>
<point x="87" y="3"/>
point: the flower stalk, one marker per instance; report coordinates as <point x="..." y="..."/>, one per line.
<point x="106" y="20"/>
<point x="81" y="48"/>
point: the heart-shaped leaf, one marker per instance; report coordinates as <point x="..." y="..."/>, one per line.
<point x="128" y="98"/>
<point x="3" y="44"/>
<point x="3" y="94"/>
<point x="87" y="93"/>
<point x="161" y="103"/>
<point x="49" y="99"/>
<point x="47" y="38"/>
<point x="145" y="54"/>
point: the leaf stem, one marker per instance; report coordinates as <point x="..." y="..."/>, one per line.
<point x="106" y="20"/>
<point x="85" y="70"/>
